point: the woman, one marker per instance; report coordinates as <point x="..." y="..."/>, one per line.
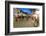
<point x="35" y="17"/>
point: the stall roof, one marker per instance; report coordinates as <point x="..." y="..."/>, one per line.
<point x="26" y="10"/>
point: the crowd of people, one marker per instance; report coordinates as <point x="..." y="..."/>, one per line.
<point x="19" y="16"/>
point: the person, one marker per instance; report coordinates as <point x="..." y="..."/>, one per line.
<point x="17" y="12"/>
<point x="35" y="17"/>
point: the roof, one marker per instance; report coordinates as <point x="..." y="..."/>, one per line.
<point x="26" y="10"/>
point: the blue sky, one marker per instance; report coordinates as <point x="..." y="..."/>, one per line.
<point x="26" y="10"/>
